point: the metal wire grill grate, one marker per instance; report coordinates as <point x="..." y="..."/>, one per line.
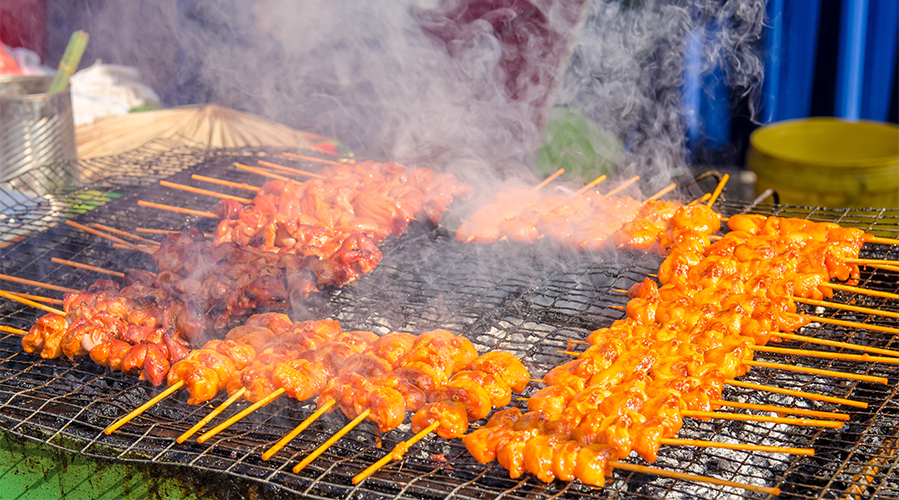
<point x="526" y="299"/>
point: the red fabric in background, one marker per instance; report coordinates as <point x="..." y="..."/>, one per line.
<point x="23" y="23"/>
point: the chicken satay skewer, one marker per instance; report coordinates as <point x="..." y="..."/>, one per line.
<point x="36" y="298"/>
<point x="214" y="413"/>
<point x="220" y="182"/>
<point x="297" y="430"/>
<point x="142" y="408"/>
<point x="549" y="179"/>
<point x="294" y="171"/>
<point x="643" y="469"/>
<point x="243" y="413"/>
<point x="205" y="192"/>
<point x="331" y="440"/>
<point x="87" y="267"/>
<point x="397" y="453"/>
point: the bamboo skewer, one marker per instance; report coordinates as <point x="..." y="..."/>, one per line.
<point x="36" y="298"/>
<point x="235" y="185"/>
<point x="179" y="210"/>
<point x="833" y="343"/>
<point x="266" y="173"/>
<point x="851" y="324"/>
<point x="622" y="187"/>
<point x="663" y="192"/>
<point x="700" y="199"/>
<point x="206" y="192"/>
<point x="885" y="241"/>
<point x="546" y="181"/>
<point x="9" y="329"/>
<point x="828" y="355"/>
<point x="297" y="430"/>
<point x="642" y="469"/>
<point x="783" y="410"/>
<point x="396" y="454"/>
<point x="235" y="418"/>
<point x="165" y="232"/>
<point x="100" y="233"/>
<point x="846" y="307"/>
<point x="87" y="267"/>
<point x="142" y="408"/>
<point x="816" y="371"/>
<point x="331" y="440"/>
<point x="38" y="284"/>
<point x="590" y="185"/>
<point x="312" y="159"/>
<point x="97" y="225"/>
<point x="863" y="291"/>
<point x="214" y="413"/>
<point x="791" y="392"/>
<point x="718" y="189"/>
<point x="32" y="303"/>
<point x="809" y="452"/>
<point x="804" y="422"/>
<point x="294" y="171"/>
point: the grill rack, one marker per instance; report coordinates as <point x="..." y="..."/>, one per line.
<point x="425" y="281"/>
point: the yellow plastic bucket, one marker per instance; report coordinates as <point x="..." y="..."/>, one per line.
<point x="827" y="162"/>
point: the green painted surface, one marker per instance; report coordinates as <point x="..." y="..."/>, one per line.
<point x="30" y="470"/>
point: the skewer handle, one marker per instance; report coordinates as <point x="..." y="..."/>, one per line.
<point x="397" y="453"/>
<point x="296" y="432"/>
<point x="32" y="303"/>
<point x="331" y="440"/>
<point x="205" y="420"/>
<point x="142" y="408"/>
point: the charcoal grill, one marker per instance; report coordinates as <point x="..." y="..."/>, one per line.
<point x="525" y="299"/>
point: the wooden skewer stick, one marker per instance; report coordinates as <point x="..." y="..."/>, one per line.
<point x="206" y="192"/>
<point x="266" y="173"/>
<point x="815" y="371"/>
<point x="396" y="454"/>
<point x="100" y="233"/>
<point x="885" y="241"/>
<point x="828" y="355"/>
<point x="809" y="452"/>
<point x="87" y="267"/>
<point x="179" y="210"/>
<point x="126" y="234"/>
<point x="883" y="267"/>
<point x="701" y="199"/>
<point x="846" y="307"/>
<point x="586" y="188"/>
<point x="32" y="303"/>
<point x="214" y="413"/>
<point x="235" y="418"/>
<point x="9" y="329"/>
<point x="331" y="440"/>
<point x="718" y="189"/>
<point x="38" y="284"/>
<point x="236" y="185"/>
<point x="163" y="231"/>
<point x="297" y="430"/>
<point x="36" y="298"/>
<point x="801" y="394"/>
<point x="833" y="343"/>
<point x="543" y="184"/>
<point x="745" y="417"/>
<point x="783" y="410"/>
<point x="642" y="469"/>
<point x="145" y="249"/>
<point x="851" y="324"/>
<point x="874" y="262"/>
<point x="622" y="187"/>
<point x="663" y="192"/>
<point x="312" y="159"/>
<point x="142" y="408"/>
<point x="294" y="171"/>
<point x="863" y="291"/>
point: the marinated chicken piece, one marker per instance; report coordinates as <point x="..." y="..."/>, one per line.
<point x="505" y="366"/>
<point x="451" y="415"/>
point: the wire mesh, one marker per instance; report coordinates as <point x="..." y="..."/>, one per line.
<point x="526" y="299"/>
